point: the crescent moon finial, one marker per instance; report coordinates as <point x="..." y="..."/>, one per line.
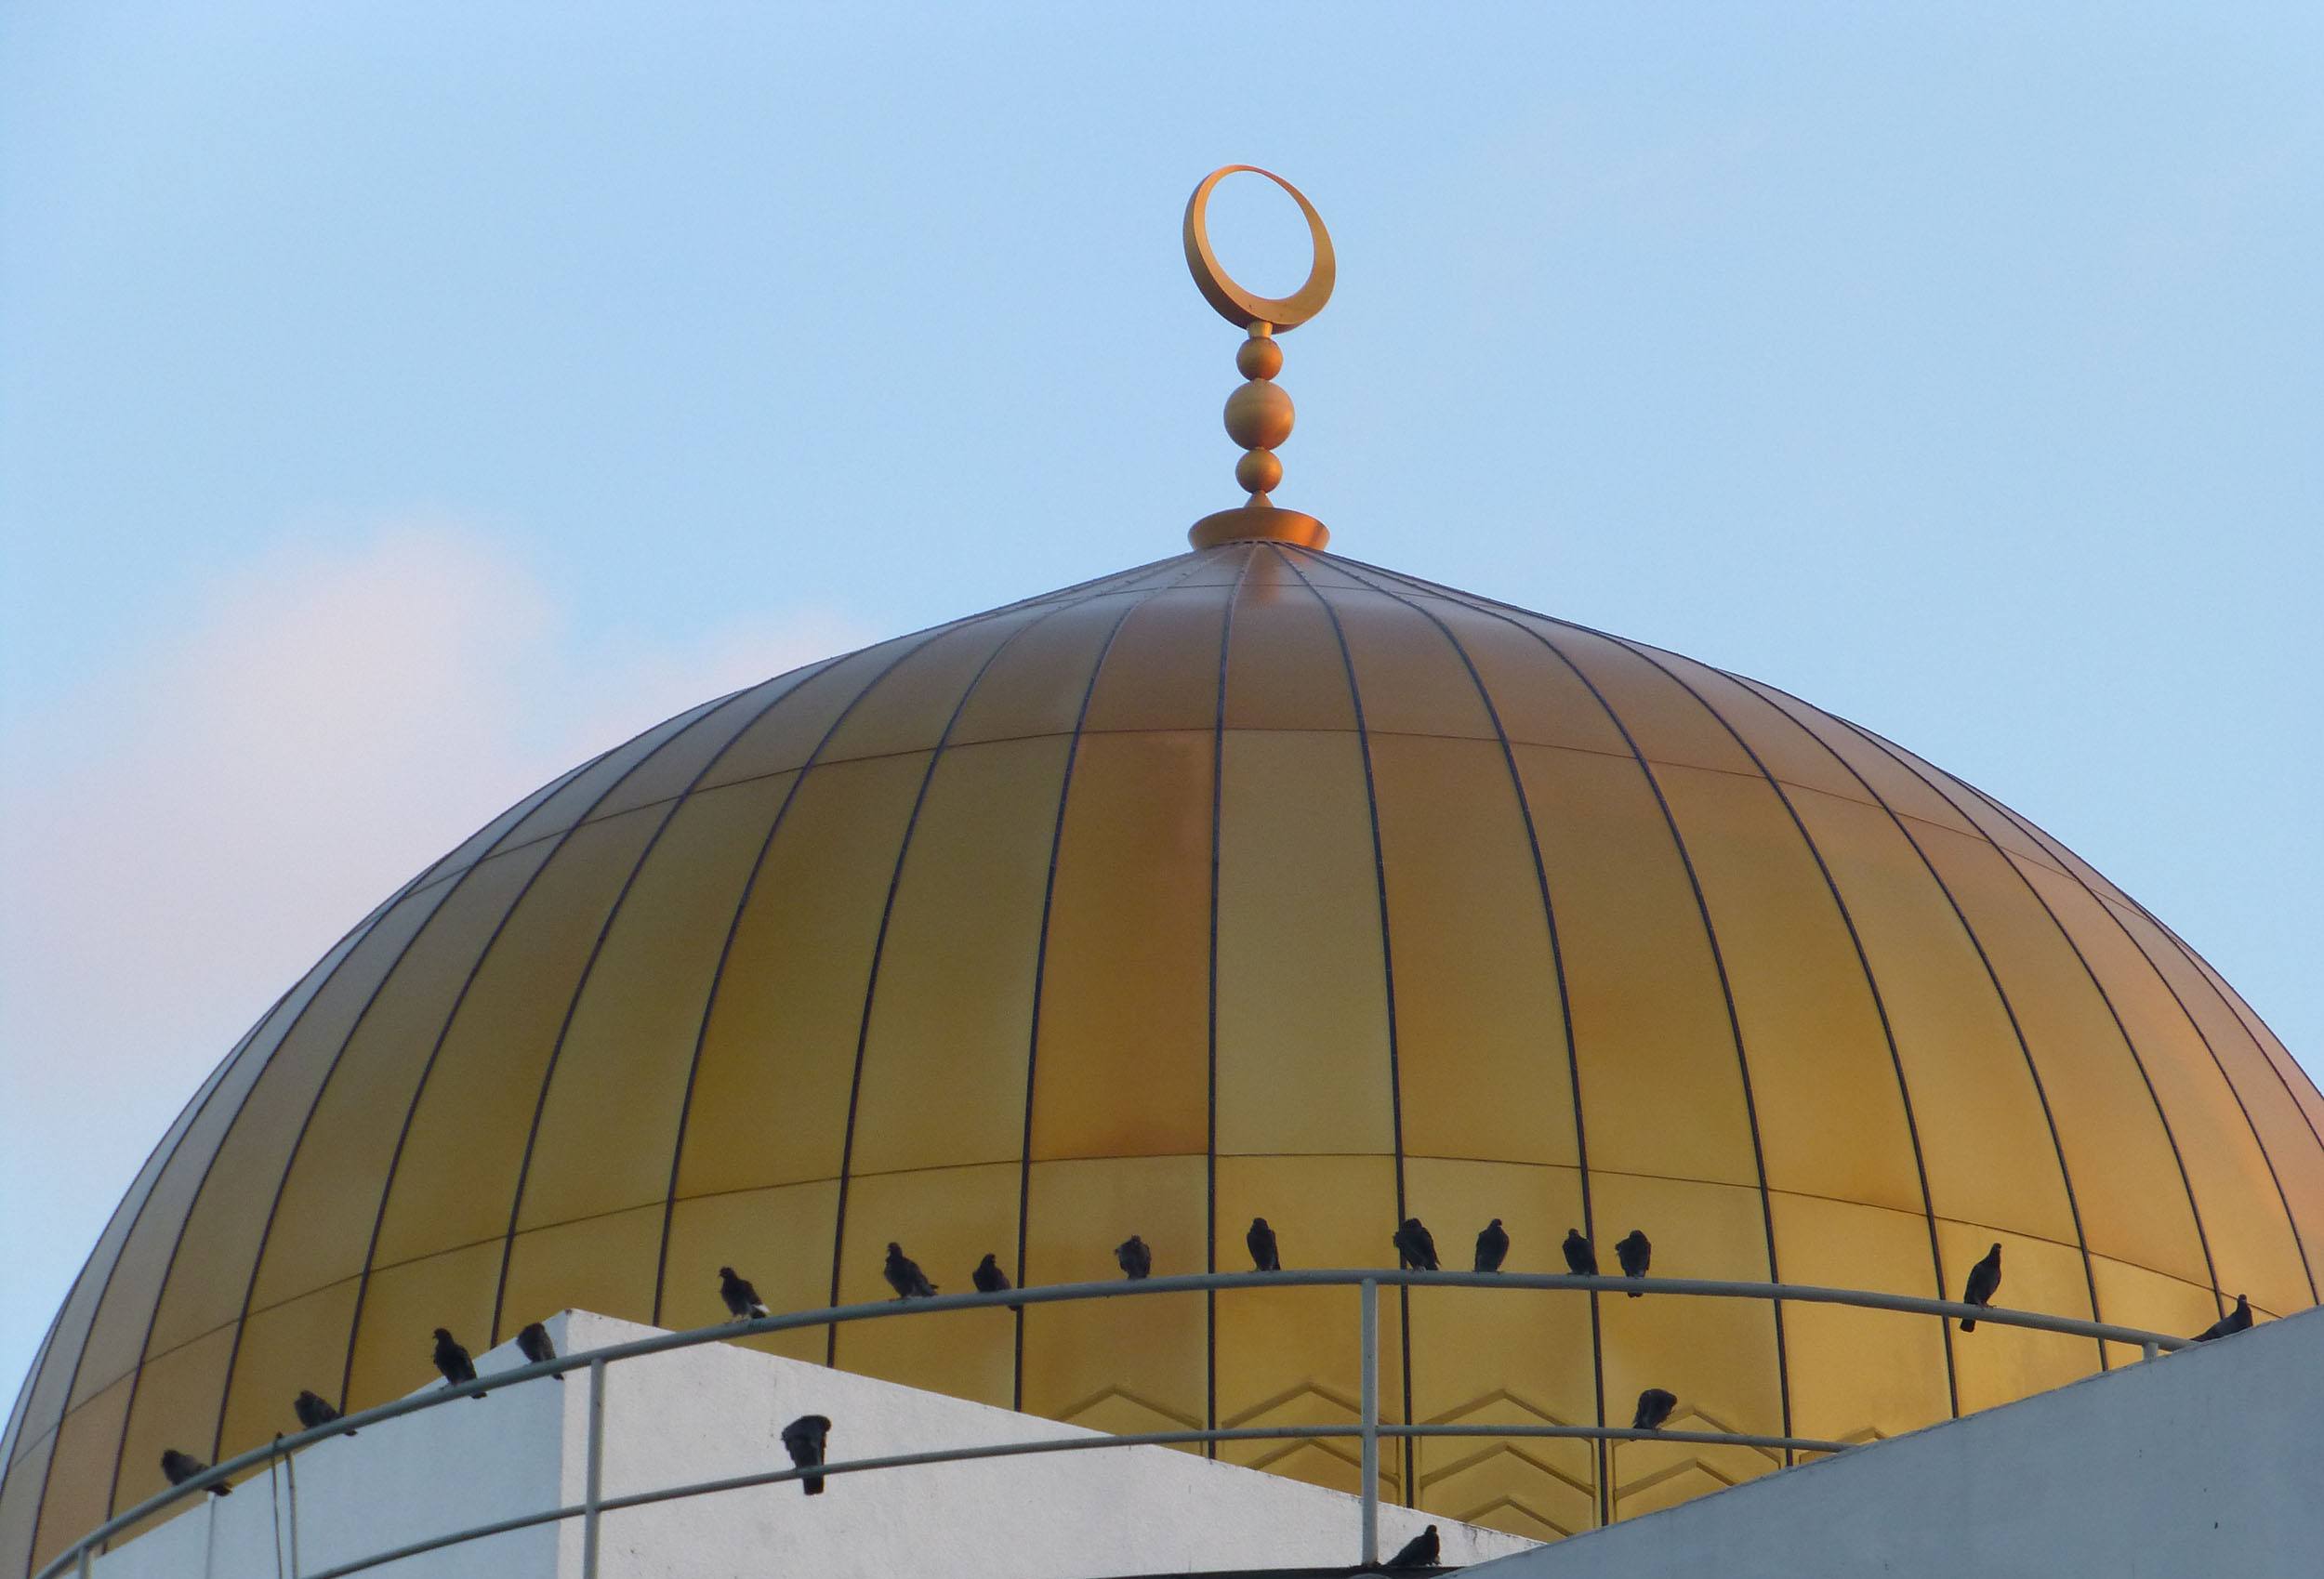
<point x="1258" y="413"/>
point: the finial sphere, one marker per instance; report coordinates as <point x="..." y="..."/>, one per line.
<point x="1234" y="304"/>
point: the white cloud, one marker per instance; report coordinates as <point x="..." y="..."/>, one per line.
<point x="182" y="838"/>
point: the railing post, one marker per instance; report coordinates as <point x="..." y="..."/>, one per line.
<point x="1370" y="1343"/>
<point x="84" y="1563"/>
<point x="2147" y="1351"/>
<point x="593" y="1486"/>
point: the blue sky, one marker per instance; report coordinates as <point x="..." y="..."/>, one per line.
<point x="399" y="401"/>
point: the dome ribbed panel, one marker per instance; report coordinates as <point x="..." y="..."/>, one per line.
<point x="1254" y="882"/>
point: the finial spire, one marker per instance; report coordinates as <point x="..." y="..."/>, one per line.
<point x="1258" y="413"/>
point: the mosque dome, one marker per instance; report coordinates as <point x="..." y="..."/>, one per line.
<point x="1258" y="881"/>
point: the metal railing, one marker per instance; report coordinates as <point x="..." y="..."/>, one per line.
<point x="1369" y="1430"/>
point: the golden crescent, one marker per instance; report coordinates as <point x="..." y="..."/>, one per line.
<point x="1236" y="305"/>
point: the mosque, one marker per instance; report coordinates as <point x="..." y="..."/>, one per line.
<point x="1255" y="882"/>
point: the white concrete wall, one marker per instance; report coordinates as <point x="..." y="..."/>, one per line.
<point x="404" y="1480"/>
<point x="718" y="1409"/>
<point x="2207" y="1461"/>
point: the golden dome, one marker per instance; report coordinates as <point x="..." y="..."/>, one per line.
<point x="1257" y="881"/>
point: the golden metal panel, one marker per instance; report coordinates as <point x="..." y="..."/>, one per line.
<point x="1115" y="1364"/>
<point x="1123" y="1068"/>
<point x="771" y="1093"/>
<point x="583" y="791"/>
<point x="1289" y="1356"/>
<point x="602" y="1263"/>
<point x="401" y="1307"/>
<point x="949" y="1029"/>
<point x="944" y="1218"/>
<point x="1663" y="720"/>
<point x="210" y="1274"/>
<point x="1650" y="1026"/>
<point x="176" y="1404"/>
<point x="673" y="768"/>
<point x="1483" y="1356"/>
<point x="81" y="1469"/>
<point x="1410" y="676"/>
<point x="1857" y="1375"/>
<point x="608" y="1122"/>
<point x="1036" y="682"/>
<point x="20" y="1493"/>
<point x="455" y="1182"/>
<point x="1284" y="668"/>
<point x="780" y="1239"/>
<point x="1162" y="672"/>
<point x="1824" y="1086"/>
<point x="1996" y="1364"/>
<point x="299" y="1344"/>
<point x="911" y="703"/>
<point x="2125" y="1178"/>
<point x="2253" y="1248"/>
<point x="1481" y="1039"/>
<point x="1988" y="1148"/>
<point x="2277" y="1104"/>
<point x="1302" y="1018"/>
<point x="1540" y="700"/>
<point x="330" y="1198"/>
<point x="786" y="734"/>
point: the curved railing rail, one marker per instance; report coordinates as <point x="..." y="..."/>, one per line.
<point x="1368" y="1281"/>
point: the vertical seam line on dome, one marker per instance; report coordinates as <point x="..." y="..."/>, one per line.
<point x="352" y="941"/>
<point x="880" y="944"/>
<point x="597" y="949"/>
<point x="524" y="807"/>
<point x="2186" y="1182"/>
<point x="2009" y="1010"/>
<point x="1711" y="934"/>
<point x="750" y="883"/>
<point x="1566" y="1010"/>
<point x="443" y="1032"/>
<point x="1871" y="983"/>
<point x="2179" y="1001"/>
<point x="1388" y="978"/>
<point x="1040" y="965"/>
<point x="1210" y="1034"/>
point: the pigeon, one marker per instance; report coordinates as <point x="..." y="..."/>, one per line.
<point x="1579" y="1258"/>
<point x="1634" y="1253"/>
<point x="183" y="1467"/>
<point x="989" y="1278"/>
<point x="1416" y="1247"/>
<point x="905" y="1276"/>
<point x="534" y="1344"/>
<point x="742" y="1300"/>
<point x="453" y="1361"/>
<point x="1984" y="1278"/>
<point x="313" y="1410"/>
<point x="1137" y="1260"/>
<point x="1420" y="1551"/>
<point x="1262" y="1240"/>
<point x="804" y="1439"/>
<point x="2236" y="1321"/>
<point x="1492" y="1247"/>
<point x="1654" y="1407"/>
